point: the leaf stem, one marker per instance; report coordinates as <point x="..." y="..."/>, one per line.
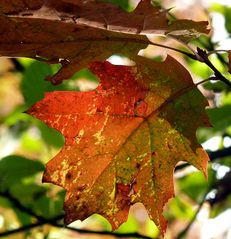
<point x="192" y="56"/>
<point x="208" y="79"/>
<point x="188" y="47"/>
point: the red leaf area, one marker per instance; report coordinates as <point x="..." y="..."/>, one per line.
<point x="124" y="139"/>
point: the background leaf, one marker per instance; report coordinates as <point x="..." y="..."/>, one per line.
<point x="14" y="168"/>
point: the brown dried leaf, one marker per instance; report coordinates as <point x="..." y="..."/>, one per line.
<point x="81" y="32"/>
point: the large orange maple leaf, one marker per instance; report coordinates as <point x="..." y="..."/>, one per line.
<point x="124" y="139"/>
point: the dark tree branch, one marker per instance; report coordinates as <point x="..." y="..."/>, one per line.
<point x="117" y="235"/>
<point x="30" y="226"/>
<point x="222" y="187"/>
<point x="16" y="203"/>
<point x="222" y="153"/>
<point x="192" y="56"/>
<point x="54" y="222"/>
<point x="210" y="46"/>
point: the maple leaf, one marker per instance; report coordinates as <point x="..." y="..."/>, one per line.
<point x="75" y="33"/>
<point x="123" y="140"/>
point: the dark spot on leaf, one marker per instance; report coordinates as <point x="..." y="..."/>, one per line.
<point x="169" y="146"/>
<point x="140" y="107"/>
<point x="81" y="187"/>
<point x="99" y="111"/>
<point x="154" y="153"/>
<point x="68" y="176"/>
<point x="138" y="102"/>
<point x="138" y="165"/>
<point x="122" y="187"/>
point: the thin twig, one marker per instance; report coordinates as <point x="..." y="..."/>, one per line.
<point x="30" y="226"/>
<point x="192" y="56"/>
<point x="182" y="233"/>
<point x="204" y="55"/>
<point x="211" y="44"/>
<point x="82" y="231"/>
<point x="201" y="55"/>
<point x="54" y="222"/>
<point x="115" y="234"/>
<point x="216" y="51"/>
<point x="197" y="57"/>
<point x="208" y="79"/>
<point x="16" y="203"/>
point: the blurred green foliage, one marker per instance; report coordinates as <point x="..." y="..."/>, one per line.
<point x="225" y="11"/>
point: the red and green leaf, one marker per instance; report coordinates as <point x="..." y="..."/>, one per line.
<point x="124" y="139"/>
